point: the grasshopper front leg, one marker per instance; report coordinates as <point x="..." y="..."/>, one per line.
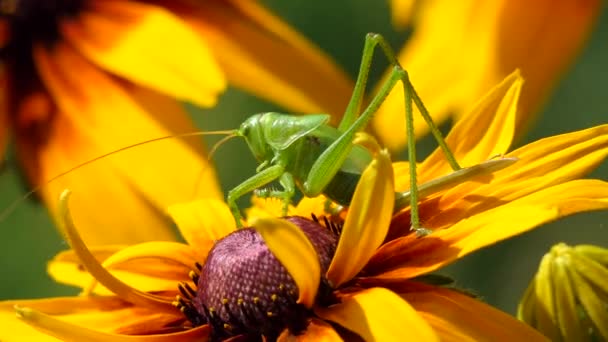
<point x="256" y="181"/>
<point x="289" y="189"/>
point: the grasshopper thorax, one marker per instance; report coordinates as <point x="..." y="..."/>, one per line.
<point x="268" y="133"/>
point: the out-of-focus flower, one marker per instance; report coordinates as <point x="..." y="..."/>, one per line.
<point x="402" y="12"/>
<point x="459" y="49"/>
<point x="568" y="298"/>
<point x="82" y="78"/>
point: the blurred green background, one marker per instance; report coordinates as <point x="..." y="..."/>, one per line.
<point x="498" y="274"/>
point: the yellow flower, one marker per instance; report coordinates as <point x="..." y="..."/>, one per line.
<point x="567" y="298"/>
<point x="244" y="290"/>
<point x="83" y="78"/>
<point x="370" y="273"/>
<point x="542" y="186"/>
<point x="459" y="49"/>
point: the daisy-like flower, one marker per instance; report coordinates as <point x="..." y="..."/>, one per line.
<point x="282" y="279"/>
<point x="82" y="78"/>
<point x="567" y="298"/>
<point x="469" y="46"/>
<point x="296" y="277"/>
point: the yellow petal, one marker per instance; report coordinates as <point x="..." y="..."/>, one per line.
<point x="311" y="205"/>
<point x="71" y="332"/>
<point x="541" y="164"/>
<point x="118" y="287"/>
<point x="295" y="252"/>
<point x="486" y="131"/>
<point x="317" y="330"/>
<point x="545" y="309"/>
<point x="401" y="12"/>
<point x="161" y="265"/>
<point x="202" y="222"/>
<point x="147" y="45"/>
<point x="457" y="317"/>
<point x="263" y="55"/>
<point x="565" y="301"/>
<point x="104" y="314"/>
<point x="486" y="40"/>
<point x="14" y="330"/>
<point x="590" y="292"/>
<point x="134" y="186"/>
<point x="367" y="221"/>
<point x="378" y="314"/>
<point x="266" y="207"/>
<point x="409" y="257"/>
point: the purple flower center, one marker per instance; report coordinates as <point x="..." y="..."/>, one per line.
<point x="244" y="290"/>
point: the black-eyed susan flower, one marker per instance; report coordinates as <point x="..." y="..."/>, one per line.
<point x="83" y="78"/>
<point x="370" y="288"/>
<point x="459" y="49"/>
<point x="283" y="279"/>
<point x="568" y="298"/>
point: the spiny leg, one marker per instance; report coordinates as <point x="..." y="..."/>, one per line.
<point x="289" y="190"/>
<point x="330" y="161"/>
<point x="254" y="182"/>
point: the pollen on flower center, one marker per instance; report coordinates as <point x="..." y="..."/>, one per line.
<point x="242" y="288"/>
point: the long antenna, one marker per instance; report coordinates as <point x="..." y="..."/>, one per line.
<point x="11" y="208"/>
<point x="212" y="151"/>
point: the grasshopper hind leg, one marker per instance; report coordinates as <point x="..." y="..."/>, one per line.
<point x="411" y="98"/>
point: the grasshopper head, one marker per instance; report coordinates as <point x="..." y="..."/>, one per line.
<point x="252" y="130"/>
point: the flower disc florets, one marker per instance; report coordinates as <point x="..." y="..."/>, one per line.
<point x="243" y="288"/>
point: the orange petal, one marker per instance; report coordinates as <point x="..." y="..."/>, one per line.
<point x="486" y="42"/>
<point x="484" y="132"/>
<point x="118" y="287"/>
<point x="541" y="164"/>
<point x="136" y="184"/>
<point x="317" y="330"/>
<point x="147" y="45"/>
<point x="408" y="257"/>
<point x="295" y="252"/>
<point x="367" y="221"/>
<point x="263" y="55"/>
<point x="203" y="222"/>
<point x="105" y="314"/>
<point x="457" y="317"/>
<point x="378" y="314"/>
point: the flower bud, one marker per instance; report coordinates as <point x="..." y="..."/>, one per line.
<point x="568" y="298"/>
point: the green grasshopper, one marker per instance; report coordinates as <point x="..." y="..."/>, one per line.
<point x="305" y="152"/>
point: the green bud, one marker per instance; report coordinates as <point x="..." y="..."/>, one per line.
<point x="568" y="298"/>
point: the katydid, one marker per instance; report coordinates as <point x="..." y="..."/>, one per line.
<point x="305" y="152"/>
